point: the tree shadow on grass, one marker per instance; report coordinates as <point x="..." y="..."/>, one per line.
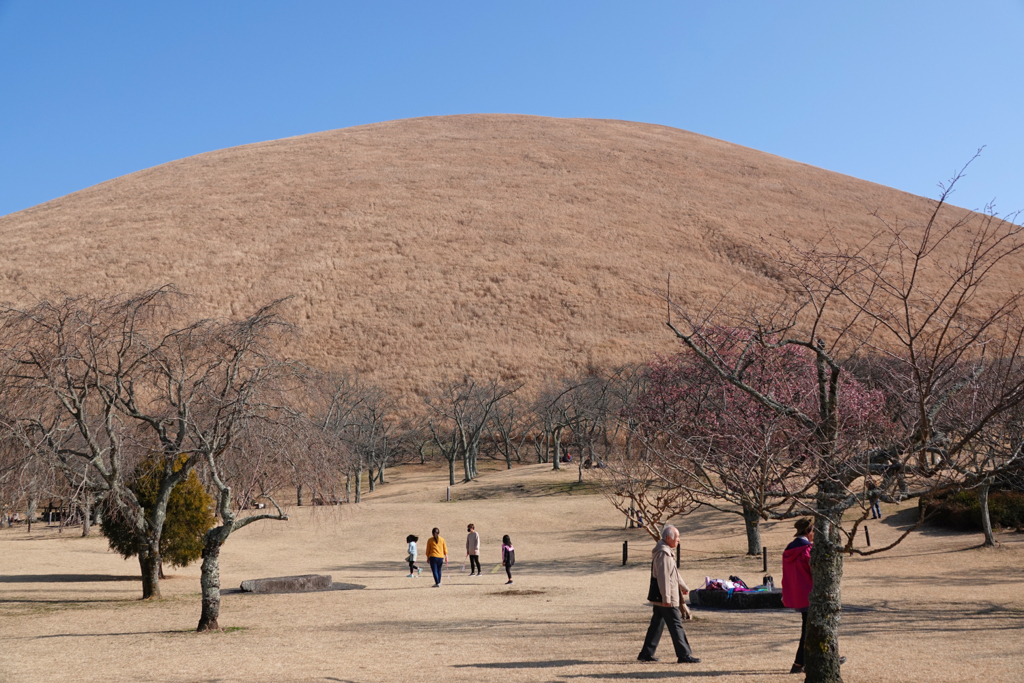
<point x="682" y="673"/>
<point x="65" y="578"/>
<point x="553" y="664"/>
<point x="111" y="635"/>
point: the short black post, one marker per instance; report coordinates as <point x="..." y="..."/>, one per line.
<point x="448" y="493"/>
<point x="625" y="552"/>
<point x="764" y="559"/>
<point x="679" y="554"/>
<point x="867" y="535"/>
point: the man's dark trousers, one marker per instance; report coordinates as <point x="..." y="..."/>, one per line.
<point x="674" y="620"/>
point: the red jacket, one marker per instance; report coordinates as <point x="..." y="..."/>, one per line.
<point x="796" y="574"/>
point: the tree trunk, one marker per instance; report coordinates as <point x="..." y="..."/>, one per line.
<point x="348" y="487"/>
<point x="210" y="581"/>
<point x="359" y="484"/>
<point x="556" y="436"/>
<point x="33" y="505"/>
<point x="986" y="519"/>
<point x="373" y="480"/>
<point x="150" y="564"/>
<point x="298" y="494"/>
<point x="451" y="471"/>
<point x="86" y="507"/>
<point x="380" y="479"/>
<point x="821" y="648"/>
<point x="752" y="520"/>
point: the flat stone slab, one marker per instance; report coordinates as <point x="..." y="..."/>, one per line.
<point x="738" y="600"/>
<point x="307" y="583"/>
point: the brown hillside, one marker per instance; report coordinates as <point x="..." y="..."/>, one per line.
<point x="502" y="245"/>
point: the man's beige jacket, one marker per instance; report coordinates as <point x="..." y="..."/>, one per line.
<point x="663" y="568"/>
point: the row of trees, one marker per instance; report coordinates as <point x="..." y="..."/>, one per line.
<point x="175" y="432"/>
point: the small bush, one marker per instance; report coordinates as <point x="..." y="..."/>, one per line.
<point x="189" y="517"/>
<point x="962" y="510"/>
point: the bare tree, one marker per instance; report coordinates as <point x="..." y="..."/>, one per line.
<point x="731" y="452"/>
<point x="461" y="411"/>
<point x="99" y="384"/>
<point x="510" y="427"/>
<point x="922" y="297"/>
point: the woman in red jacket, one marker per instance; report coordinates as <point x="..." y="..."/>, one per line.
<point x="797" y="582"/>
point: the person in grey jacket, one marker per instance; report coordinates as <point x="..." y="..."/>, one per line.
<point x="473" y="550"/>
<point x="666" y="595"/>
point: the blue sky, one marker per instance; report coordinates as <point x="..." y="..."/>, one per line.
<point x="900" y="92"/>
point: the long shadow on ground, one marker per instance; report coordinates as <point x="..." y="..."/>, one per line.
<point x="554" y="664"/>
<point x="65" y="578"/>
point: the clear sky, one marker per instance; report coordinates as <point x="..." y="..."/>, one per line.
<point x="899" y="92"/>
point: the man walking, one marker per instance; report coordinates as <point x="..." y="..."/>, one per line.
<point x="666" y="595"/>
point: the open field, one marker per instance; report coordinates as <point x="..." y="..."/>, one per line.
<point x="934" y="609"/>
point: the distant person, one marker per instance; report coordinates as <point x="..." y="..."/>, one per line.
<point x="876" y="509"/>
<point x="437" y="554"/>
<point x="473" y="550"/>
<point x="508" y="557"/>
<point x="666" y="596"/>
<point x="411" y="557"/>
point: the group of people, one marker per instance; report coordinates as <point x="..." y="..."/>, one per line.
<point x="667" y="590"/>
<point x="437" y="554"/>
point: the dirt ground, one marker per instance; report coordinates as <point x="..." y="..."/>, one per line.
<point x="937" y="608"/>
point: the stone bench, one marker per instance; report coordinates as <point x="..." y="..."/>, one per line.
<point x="720" y="599"/>
<point x="307" y="583"/>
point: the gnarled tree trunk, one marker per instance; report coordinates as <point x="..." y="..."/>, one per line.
<point x="821" y="647"/>
<point x="149" y="562"/>
<point x="210" y="578"/>
<point x="752" y="521"/>
<point x="986" y="519"/>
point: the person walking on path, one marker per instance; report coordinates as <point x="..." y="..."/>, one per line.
<point x="411" y="557"/>
<point x="508" y="557"/>
<point x="473" y="550"/>
<point x="797" y="583"/>
<point x="437" y="554"/>
<point x="666" y="595"/>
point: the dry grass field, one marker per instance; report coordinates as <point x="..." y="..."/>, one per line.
<point x="936" y="608"/>
<point x="510" y="246"/>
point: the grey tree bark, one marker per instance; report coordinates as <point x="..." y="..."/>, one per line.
<point x="986" y="519"/>
<point x="752" y="521"/>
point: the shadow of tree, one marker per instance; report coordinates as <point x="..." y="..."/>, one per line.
<point x="65" y="578"/>
<point x="553" y="664"/>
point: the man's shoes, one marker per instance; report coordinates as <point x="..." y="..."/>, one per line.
<point x="688" y="660"/>
<point x="641" y="658"/>
<point x="797" y="669"/>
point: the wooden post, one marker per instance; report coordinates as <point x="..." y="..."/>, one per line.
<point x="867" y="535"/>
<point x="764" y="559"/>
<point x="625" y="552"/>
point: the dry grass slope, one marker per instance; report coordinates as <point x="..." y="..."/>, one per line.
<point x="515" y="246"/>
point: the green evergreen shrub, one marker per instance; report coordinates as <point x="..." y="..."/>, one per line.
<point x="962" y="510"/>
<point x="189" y="517"/>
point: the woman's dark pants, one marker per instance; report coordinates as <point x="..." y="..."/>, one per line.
<point x="436" y="564"/>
